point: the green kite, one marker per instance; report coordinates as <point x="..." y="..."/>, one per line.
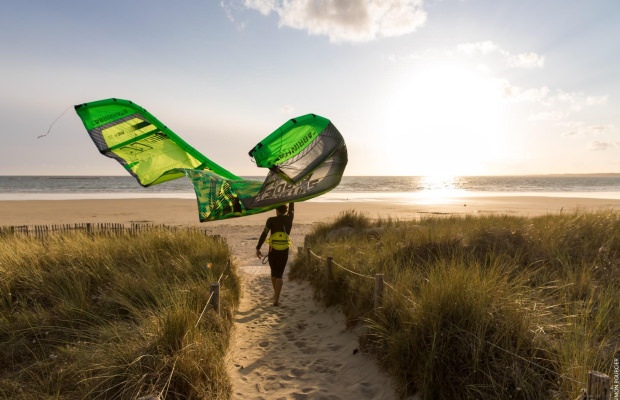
<point x="306" y="157"/>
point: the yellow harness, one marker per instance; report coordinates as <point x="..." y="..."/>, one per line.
<point x="280" y="241"/>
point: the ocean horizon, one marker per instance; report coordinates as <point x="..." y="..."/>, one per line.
<point x="351" y="188"/>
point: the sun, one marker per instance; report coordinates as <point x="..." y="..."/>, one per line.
<point x="444" y="120"/>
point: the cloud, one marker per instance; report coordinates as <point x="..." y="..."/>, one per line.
<point x="346" y="20"/>
<point x="483" y="68"/>
<point x="483" y="48"/>
<point x="576" y="101"/>
<point x="599" y="146"/>
<point x="595" y="100"/>
<point x="523" y="60"/>
<point x="263" y="6"/>
<point x="579" y="128"/>
<point x="547" y="116"/>
<point x="229" y="7"/>
<point x="516" y="93"/>
<point x="421" y="55"/>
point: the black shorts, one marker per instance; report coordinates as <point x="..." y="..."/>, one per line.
<point x="277" y="262"/>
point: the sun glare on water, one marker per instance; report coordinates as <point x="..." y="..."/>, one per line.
<point x="437" y="189"/>
<point x="445" y="120"/>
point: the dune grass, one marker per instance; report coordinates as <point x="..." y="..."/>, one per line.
<point x="482" y="307"/>
<point x="114" y="317"/>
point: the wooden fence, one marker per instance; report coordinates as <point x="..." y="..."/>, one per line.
<point x="115" y="229"/>
<point x="94" y="229"/>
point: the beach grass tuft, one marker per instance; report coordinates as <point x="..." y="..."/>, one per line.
<point x="114" y="316"/>
<point x="478" y="306"/>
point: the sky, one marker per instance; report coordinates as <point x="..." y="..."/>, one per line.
<point x="416" y="87"/>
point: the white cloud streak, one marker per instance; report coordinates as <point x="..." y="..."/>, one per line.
<point x="579" y="128"/>
<point x="523" y="60"/>
<point x="474" y="48"/>
<point x="547" y="116"/>
<point x="229" y="9"/>
<point x="599" y="146"/>
<point x="576" y="101"/>
<point x="515" y="93"/>
<point x="346" y="20"/>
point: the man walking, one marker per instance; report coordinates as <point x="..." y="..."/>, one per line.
<point x="279" y="243"/>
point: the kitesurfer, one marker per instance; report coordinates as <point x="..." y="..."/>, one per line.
<point x="279" y="243"/>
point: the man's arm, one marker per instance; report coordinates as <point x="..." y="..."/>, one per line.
<point x="261" y="240"/>
<point x="291" y="210"/>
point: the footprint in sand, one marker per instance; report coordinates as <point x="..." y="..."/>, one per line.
<point x="304" y="363"/>
<point x="321" y="366"/>
<point x="272" y="386"/>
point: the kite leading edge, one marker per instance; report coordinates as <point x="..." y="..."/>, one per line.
<point x="306" y="157"/>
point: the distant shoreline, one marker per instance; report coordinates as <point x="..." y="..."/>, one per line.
<point x="398" y="197"/>
<point x="592" y="174"/>
<point x="174" y="211"/>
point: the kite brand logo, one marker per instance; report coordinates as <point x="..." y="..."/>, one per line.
<point x="300" y="143"/>
<point x="106" y="118"/>
<point x="284" y="190"/>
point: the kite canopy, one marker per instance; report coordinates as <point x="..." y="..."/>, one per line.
<point x="306" y="157"/>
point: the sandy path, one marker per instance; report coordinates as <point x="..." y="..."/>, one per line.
<point x="299" y="350"/>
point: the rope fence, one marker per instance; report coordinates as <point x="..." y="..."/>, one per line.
<point x="597" y="385"/>
<point x="352" y="272"/>
<point x="214" y="296"/>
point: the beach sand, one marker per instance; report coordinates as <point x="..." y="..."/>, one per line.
<point x="184" y="211"/>
<point x="299" y="350"/>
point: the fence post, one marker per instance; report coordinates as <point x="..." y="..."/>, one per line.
<point x="378" y="291"/>
<point x="307" y="255"/>
<point x="598" y="386"/>
<point x="215" y="298"/>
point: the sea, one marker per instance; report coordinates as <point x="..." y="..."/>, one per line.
<point x="351" y="188"/>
